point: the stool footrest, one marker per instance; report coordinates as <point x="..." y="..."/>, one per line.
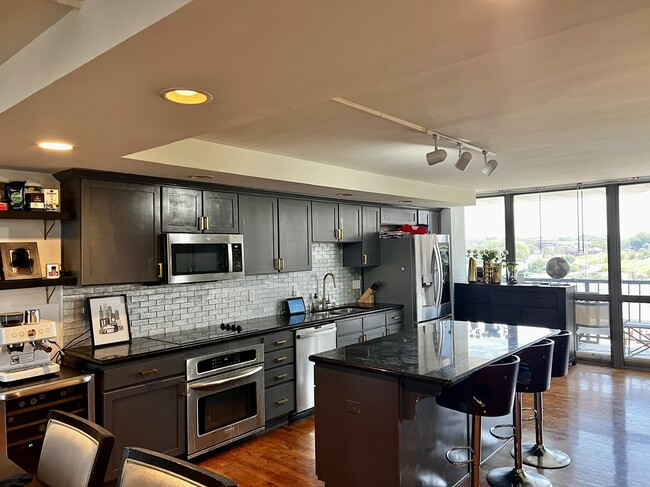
<point x="498" y="426"/>
<point x="530" y="418"/>
<point x="470" y="455"/>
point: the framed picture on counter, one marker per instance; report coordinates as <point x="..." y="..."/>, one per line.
<point x="109" y="320"/>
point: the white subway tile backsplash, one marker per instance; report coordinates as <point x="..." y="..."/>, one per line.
<point x="167" y="308"/>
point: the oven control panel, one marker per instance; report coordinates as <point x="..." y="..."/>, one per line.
<point x="226" y="360"/>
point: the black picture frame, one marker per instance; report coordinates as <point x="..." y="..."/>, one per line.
<point x="109" y="320"/>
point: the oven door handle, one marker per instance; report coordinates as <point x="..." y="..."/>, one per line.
<point x="207" y="385"/>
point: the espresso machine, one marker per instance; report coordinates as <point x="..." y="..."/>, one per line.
<point x="25" y="346"/>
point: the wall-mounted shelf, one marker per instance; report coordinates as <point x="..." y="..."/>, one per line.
<point x="46" y="283"/>
<point x="47" y="216"/>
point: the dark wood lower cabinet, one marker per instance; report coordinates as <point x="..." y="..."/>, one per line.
<point x="521" y="304"/>
<point x="142" y="402"/>
<point x="146" y="416"/>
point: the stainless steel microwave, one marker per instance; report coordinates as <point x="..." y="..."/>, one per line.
<point x="198" y="257"/>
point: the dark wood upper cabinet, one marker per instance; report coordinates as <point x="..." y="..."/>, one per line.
<point x="188" y="210"/>
<point x="114" y="237"/>
<point x="366" y="252"/>
<point x="277" y="234"/>
<point x="336" y="222"/>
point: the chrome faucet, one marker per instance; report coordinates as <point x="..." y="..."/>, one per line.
<point x="325" y="300"/>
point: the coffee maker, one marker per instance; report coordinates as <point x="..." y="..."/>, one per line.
<point x="25" y="346"/>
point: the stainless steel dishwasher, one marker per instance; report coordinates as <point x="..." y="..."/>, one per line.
<point x="308" y="342"/>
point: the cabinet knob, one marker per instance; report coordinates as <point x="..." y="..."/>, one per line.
<point x="160" y="269"/>
<point x="365" y="259"/>
<point x="280" y="342"/>
<point x="281" y="376"/>
<point x="280" y="402"/>
<point x="207" y="223"/>
<point x="281" y="359"/>
<point x="153" y="370"/>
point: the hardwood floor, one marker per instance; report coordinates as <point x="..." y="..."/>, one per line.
<point x="599" y="416"/>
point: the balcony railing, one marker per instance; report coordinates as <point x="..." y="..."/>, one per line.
<point x="592" y="320"/>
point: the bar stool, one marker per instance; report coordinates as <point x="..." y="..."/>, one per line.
<point x="489" y="392"/>
<point x="534" y="376"/>
<point x="540" y="455"/>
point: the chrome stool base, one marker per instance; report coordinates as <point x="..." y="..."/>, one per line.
<point x="541" y="456"/>
<point x="512" y="477"/>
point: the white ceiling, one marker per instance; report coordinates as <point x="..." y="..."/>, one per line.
<point x="558" y="89"/>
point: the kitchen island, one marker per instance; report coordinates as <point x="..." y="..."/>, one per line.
<point x="377" y="422"/>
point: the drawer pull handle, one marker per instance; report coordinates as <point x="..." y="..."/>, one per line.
<point x="281" y="359"/>
<point x="280" y="402"/>
<point x="394" y="317"/>
<point x="281" y="376"/>
<point x="148" y="371"/>
<point x="280" y="342"/>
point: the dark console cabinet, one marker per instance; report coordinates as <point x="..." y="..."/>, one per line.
<point x="521" y="304"/>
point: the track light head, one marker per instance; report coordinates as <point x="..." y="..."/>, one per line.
<point x="438" y="155"/>
<point x="464" y="158"/>
<point x="490" y="166"/>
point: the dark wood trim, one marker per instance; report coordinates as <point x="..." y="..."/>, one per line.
<point x="27" y="283"/>
<point x="35" y="215"/>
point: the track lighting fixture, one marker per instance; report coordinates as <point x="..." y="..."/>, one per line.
<point x="490" y="166"/>
<point x="464" y="158"/>
<point x="438" y="155"/>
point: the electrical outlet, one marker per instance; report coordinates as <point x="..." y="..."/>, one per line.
<point x="251" y="295"/>
<point x="356" y="283"/>
<point x="295" y="291"/>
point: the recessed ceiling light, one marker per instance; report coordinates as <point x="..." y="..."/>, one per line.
<point x="51" y="145"/>
<point x="201" y="176"/>
<point x="185" y="96"/>
<point x="344" y="194"/>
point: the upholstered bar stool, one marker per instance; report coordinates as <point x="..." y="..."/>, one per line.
<point x="489" y="392"/>
<point x="534" y="376"/>
<point x="540" y="455"/>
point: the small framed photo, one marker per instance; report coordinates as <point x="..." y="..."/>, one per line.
<point x="20" y="260"/>
<point x="109" y="320"/>
<point x="52" y="271"/>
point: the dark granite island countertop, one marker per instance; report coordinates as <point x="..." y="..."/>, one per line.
<point x="377" y="422"/>
<point x="441" y="353"/>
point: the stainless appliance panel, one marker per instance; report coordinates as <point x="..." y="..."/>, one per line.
<point x="308" y="342"/>
<point x="225" y="397"/>
<point x="414" y="272"/>
<point x="193" y="257"/>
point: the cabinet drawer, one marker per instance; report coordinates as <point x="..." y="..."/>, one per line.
<point x="473" y="294"/>
<point x="345" y="340"/>
<point x="395" y="328"/>
<point x="279" y="375"/>
<point x="278" y="340"/>
<point x="280" y="400"/>
<point x="145" y="371"/>
<point x="393" y="317"/>
<point x="278" y="357"/>
<point x="374" y="333"/>
<point x="540" y="299"/>
<point x="508" y="296"/>
<point x="348" y="326"/>
<point x="510" y="315"/>
<point x="547" y="317"/>
<point x="374" y="321"/>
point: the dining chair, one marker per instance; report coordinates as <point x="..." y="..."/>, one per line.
<point x="146" y="468"/>
<point x="75" y="452"/>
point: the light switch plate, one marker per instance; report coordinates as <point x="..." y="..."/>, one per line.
<point x="356" y="283"/>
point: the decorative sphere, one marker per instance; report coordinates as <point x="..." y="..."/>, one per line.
<point x="557" y="267"/>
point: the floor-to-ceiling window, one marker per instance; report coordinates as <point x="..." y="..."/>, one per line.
<point x="601" y="238"/>
<point x="634" y="201"/>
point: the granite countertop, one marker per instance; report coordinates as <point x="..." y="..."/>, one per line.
<point x="141" y="347"/>
<point x="440" y="353"/>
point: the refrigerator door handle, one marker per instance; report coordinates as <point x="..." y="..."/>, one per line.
<point x="437" y="274"/>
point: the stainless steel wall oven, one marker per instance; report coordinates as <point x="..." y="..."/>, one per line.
<point x="225" y="397"/>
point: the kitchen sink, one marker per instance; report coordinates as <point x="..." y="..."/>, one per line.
<point x="337" y="312"/>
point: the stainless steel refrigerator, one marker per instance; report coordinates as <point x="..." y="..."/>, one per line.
<point x="414" y="271"/>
